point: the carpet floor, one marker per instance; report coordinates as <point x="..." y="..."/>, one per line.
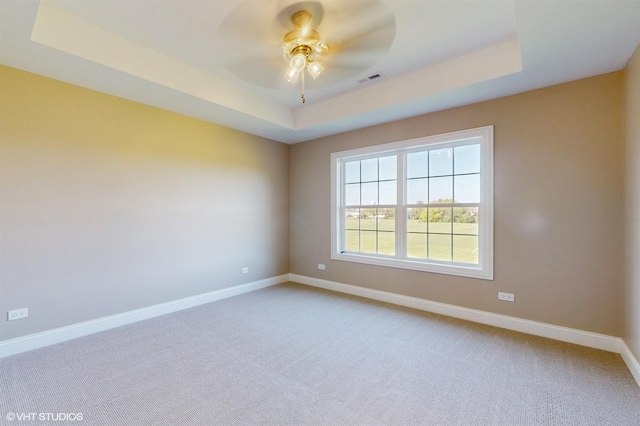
<point x="294" y="355"/>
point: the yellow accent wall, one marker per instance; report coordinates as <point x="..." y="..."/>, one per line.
<point x="109" y="205"/>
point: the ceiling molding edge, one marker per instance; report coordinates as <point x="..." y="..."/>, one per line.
<point x="492" y="62"/>
<point x="67" y="33"/>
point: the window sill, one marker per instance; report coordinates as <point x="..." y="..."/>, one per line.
<point x="458" y="269"/>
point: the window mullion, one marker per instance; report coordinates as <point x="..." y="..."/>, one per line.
<point x="342" y="219"/>
<point x="401" y="210"/>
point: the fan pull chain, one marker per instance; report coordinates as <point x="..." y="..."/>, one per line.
<point x="302" y="95"/>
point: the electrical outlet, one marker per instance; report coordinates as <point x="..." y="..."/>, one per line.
<point x="507" y="297"/>
<point x="321" y="266"/>
<point x="245" y="270"/>
<point x="17" y="314"/>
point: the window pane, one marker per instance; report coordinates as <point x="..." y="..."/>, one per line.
<point x="368" y="219"/>
<point x="352" y="242"/>
<point x="352" y="219"/>
<point x="417" y="220"/>
<point x="368" y="241"/>
<point x="387" y="243"/>
<point x="465" y="249"/>
<point x="440" y="220"/>
<point x="467" y="188"/>
<point x="466" y="159"/>
<point x="417" y="245"/>
<point x="417" y="191"/>
<point x="370" y="194"/>
<point x="369" y="170"/>
<point x="352" y="194"/>
<point x="388" y="192"/>
<point x="430" y="188"/>
<point x="386" y="220"/>
<point x="417" y="164"/>
<point x="441" y="190"/>
<point x="440" y="247"/>
<point x="352" y="172"/>
<point x="441" y="162"/>
<point x="388" y="168"/>
<point x="465" y="220"/>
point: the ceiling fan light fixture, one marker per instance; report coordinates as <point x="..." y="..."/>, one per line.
<point x="298" y="62"/>
<point x="301" y="46"/>
<point x="318" y="50"/>
<point x="315" y="69"/>
<point x="292" y="76"/>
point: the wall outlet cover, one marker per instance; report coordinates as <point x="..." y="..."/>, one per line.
<point x="507" y="297"/>
<point x="17" y="314"/>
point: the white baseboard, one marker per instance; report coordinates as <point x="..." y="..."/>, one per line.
<point x="564" y="334"/>
<point x="58" y="335"/>
<point x="570" y="335"/>
<point x="584" y="338"/>
<point x="631" y="361"/>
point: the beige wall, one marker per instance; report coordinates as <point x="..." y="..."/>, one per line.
<point x="631" y="332"/>
<point x="558" y="206"/>
<point x="109" y="205"/>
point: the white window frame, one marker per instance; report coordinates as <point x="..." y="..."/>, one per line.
<point x="484" y="268"/>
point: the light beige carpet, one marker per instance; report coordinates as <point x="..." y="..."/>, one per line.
<point x="292" y="355"/>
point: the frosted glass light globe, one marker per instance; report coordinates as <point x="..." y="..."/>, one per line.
<point x="298" y="62"/>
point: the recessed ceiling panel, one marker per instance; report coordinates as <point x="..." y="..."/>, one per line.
<point x="358" y="34"/>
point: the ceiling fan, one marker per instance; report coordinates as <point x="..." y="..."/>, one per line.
<point x="334" y="38"/>
<point x="302" y="47"/>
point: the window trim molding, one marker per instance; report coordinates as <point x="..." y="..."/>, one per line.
<point x="485" y="268"/>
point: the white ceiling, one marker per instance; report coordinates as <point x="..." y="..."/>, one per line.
<point x="221" y="61"/>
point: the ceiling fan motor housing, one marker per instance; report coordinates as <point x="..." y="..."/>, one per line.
<point x="303" y="39"/>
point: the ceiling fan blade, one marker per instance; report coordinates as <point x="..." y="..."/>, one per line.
<point x="349" y="62"/>
<point x="372" y="41"/>
<point x="358" y="34"/>
<point x="363" y="22"/>
<point x="251" y="22"/>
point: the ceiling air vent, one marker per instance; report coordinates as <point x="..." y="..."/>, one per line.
<point x="370" y="78"/>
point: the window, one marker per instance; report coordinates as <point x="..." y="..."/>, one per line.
<point x="424" y="204"/>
